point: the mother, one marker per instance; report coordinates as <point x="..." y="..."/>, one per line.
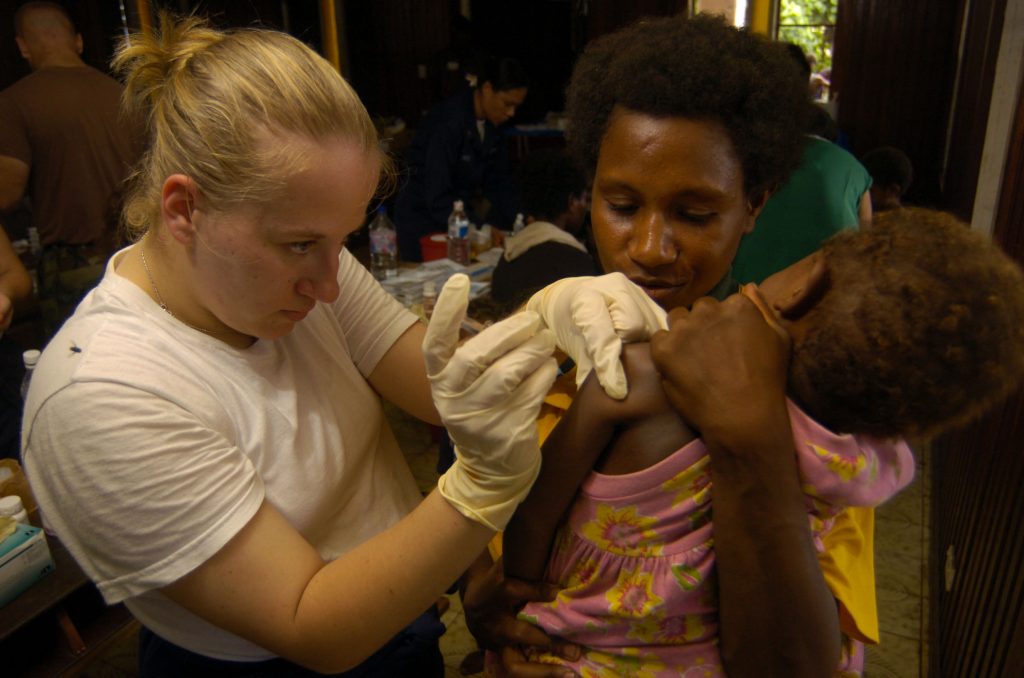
<point x="687" y="127"/>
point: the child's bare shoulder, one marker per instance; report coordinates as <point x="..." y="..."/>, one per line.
<point x="651" y="429"/>
<point x="643" y="377"/>
<point x="646" y="395"/>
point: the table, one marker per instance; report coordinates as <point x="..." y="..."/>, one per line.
<point x="58" y="622"/>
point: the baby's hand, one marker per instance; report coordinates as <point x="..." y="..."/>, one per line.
<point x="491" y="602"/>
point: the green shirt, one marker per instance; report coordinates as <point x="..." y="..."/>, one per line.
<point x="821" y="198"/>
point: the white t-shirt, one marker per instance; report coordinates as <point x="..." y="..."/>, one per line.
<point x="154" y="444"/>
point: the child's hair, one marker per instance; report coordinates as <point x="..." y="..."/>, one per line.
<point x="546" y="179"/>
<point x="700" y="69"/>
<point x="921" y="330"/>
<point x="219" y="107"/>
<point x="889" y="166"/>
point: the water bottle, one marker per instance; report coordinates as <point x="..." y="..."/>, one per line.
<point x="30" y="358"/>
<point x="458" y="234"/>
<point x="519" y="224"/>
<point x="383" y="246"/>
<point x="429" y="298"/>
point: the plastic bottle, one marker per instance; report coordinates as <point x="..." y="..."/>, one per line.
<point x="519" y="224"/>
<point x="12" y="507"/>
<point x="383" y="246"/>
<point x="458" y="234"/>
<point x="429" y="298"/>
<point x="30" y="358"/>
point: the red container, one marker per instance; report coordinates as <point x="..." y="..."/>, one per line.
<point x="434" y="246"/>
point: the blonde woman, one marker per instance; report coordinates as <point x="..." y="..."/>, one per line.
<point x="214" y="452"/>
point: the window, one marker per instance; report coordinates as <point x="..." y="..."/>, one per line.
<point x="811" y="25"/>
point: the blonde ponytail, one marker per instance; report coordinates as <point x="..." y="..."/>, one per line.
<point x="218" y="107"/>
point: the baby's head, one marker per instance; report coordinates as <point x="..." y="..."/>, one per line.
<point x="909" y="328"/>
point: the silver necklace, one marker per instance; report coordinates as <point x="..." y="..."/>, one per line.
<point x="159" y="297"/>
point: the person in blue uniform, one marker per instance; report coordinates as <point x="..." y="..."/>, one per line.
<point x="460" y="153"/>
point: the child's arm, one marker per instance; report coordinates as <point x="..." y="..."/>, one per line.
<point x="574" y="447"/>
<point x="848" y="470"/>
<point x="568" y="455"/>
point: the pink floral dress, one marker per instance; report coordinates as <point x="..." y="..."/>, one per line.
<point x="635" y="559"/>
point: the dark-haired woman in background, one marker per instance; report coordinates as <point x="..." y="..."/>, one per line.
<point x="460" y="153"/>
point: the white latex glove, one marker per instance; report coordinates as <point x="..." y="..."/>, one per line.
<point x="591" y="317"/>
<point x="488" y="392"/>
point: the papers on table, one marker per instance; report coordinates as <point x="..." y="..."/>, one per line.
<point x="407" y="286"/>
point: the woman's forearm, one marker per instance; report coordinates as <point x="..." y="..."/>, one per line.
<point x="777" y="616"/>
<point x="725" y="370"/>
<point x="270" y="586"/>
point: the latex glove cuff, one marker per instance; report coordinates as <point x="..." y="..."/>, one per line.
<point x="487" y="498"/>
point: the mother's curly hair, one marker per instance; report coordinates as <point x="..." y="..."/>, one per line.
<point x="698" y="68"/>
<point x="921" y="330"/>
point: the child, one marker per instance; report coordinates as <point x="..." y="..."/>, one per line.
<point x="553" y="197"/>
<point x="891" y="174"/>
<point x="905" y="329"/>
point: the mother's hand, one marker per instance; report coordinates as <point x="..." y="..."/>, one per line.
<point x="724" y="366"/>
<point x="591" y="316"/>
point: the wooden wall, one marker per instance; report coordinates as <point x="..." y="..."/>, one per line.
<point x="895" y="64"/>
<point x="606" y="16"/>
<point x="978" y="506"/>
<point x="388" y="41"/>
<point x="977" y="540"/>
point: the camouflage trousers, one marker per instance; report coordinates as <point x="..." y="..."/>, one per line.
<point x="66" y="273"/>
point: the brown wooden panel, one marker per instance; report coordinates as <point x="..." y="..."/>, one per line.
<point x="605" y="16"/>
<point x="978" y="500"/>
<point x="388" y="40"/>
<point x="894" y="66"/>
